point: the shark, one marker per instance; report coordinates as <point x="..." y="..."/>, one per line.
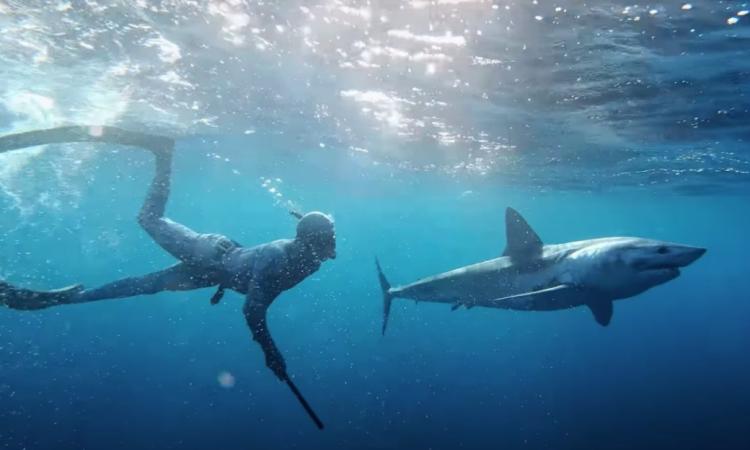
<point x="532" y="276"/>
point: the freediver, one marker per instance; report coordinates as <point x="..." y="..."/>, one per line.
<point x="261" y="273"/>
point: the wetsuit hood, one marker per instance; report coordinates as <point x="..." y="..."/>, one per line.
<point x="315" y="229"/>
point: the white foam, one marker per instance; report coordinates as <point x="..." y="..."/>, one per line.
<point x="446" y="39"/>
<point x="169" y="52"/>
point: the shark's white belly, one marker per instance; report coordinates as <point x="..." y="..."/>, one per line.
<point x="479" y="284"/>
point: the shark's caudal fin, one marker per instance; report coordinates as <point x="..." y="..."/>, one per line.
<point x="523" y="244"/>
<point x="385" y="286"/>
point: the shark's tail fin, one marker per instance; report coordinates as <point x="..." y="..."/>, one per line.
<point x="387" y="297"/>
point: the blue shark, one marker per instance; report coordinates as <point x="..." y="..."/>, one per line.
<point x="532" y="276"/>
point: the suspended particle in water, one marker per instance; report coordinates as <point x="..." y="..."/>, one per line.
<point x="687" y="7"/>
<point x="732" y="20"/>
<point x="226" y="380"/>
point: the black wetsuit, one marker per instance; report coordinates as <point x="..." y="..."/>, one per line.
<point x="261" y="273"/>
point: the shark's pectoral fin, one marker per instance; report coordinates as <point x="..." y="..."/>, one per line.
<point x="557" y="297"/>
<point x="602" y="310"/>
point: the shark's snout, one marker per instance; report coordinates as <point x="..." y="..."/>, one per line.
<point x="686" y="255"/>
<point x="666" y="256"/>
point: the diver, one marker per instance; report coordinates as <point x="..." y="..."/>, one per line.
<point x="261" y="273"/>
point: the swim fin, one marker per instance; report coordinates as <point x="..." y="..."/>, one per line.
<point x="26" y="299"/>
<point x="88" y="133"/>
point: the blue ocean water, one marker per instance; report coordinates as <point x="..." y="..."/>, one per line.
<point x="415" y="124"/>
<point x="670" y="371"/>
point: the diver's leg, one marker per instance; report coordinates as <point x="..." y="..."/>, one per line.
<point x="197" y="249"/>
<point x="158" y="193"/>
<point x="179" y="277"/>
<point x="177" y="239"/>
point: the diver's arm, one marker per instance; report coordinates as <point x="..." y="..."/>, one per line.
<point x="256" y="305"/>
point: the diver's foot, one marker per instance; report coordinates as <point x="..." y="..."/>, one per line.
<point x="27" y="299"/>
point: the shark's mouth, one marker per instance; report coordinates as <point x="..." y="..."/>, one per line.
<point x="670" y="270"/>
<point x="678" y="258"/>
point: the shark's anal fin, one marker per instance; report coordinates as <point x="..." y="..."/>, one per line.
<point x="459" y="304"/>
<point x="602" y="310"/>
<point x="523" y="244"/>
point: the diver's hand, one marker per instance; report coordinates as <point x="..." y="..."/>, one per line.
<point x="275" y="362"/>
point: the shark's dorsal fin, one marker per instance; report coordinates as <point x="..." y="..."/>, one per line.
<point x="522" y="241"/>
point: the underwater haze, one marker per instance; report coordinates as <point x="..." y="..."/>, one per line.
<point x="415" y="124"/>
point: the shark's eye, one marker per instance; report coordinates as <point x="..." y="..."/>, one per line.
<point x="662" y="250"/>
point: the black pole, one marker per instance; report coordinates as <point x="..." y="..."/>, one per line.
<point x="304" y="404"/>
